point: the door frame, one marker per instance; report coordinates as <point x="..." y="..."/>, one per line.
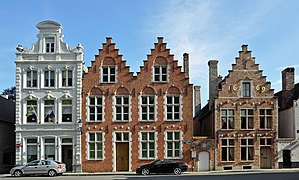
<point x="67" y="144"/>
<point x="114" y="141"/>
<point x="270" y="159"/>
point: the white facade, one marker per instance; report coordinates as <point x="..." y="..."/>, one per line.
<point x="289" y="129"/>
<point x="48" y="99"/>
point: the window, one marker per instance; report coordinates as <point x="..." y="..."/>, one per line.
<point x="227" y="117"/>
<point x="95" y="146"/>
<point x="265" y="142"/>
<point x="49" y="79"/>
<point x="108" y="74"/>
<point x="31" y="149"/>
<point x="67" y="78"/>
<point x="66" y="110"/>
<point x="31" y="111"/>
<point x="148" y="145"/>
<point x="246" y="118"/>
<point x="31" y="78"/>
<point x="122" y="108"/>
<point x="265" y="118"/>
<point x="173" y="144"/>
<point x="173" y="108"/>
<point x="49" y="111"/>
<point x="50" y="149"/>
<point x="122" y="137"/>
<point x="147" y="108"/>
<point x="95" y="108"/>
<point x="247" y="148"/>
<point x="227" y="149"/>
<point x="49" y="45"/>
<point x="246" y="89"/>
<point x="160" y="73"/>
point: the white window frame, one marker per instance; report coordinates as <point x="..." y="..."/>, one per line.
<point x="122" y="106"/>
<point x="109" y="74"/>
<point x="51" y="45"/>
<point x="50" y="144"/>
<point x="48" y="106"/>
<point x="265" y="117"/>
<point x="32" y="76"/>
<point x="160" y="74"/>
<point x="147" y="105"/>
<point x="247" y="146"/>
<point x="88" y="142"/>
<point x="228" y="146"/>
<point x="47" y="78"/>
<point x="247" y="117"/>
<point x="228" y="117"/>
<point x="31" y="144"/>
<point x="35" y="108"/>
<point x="96" y="106"/>
<point x="173" y="141"/>
<point x="65" y="75"/>
<point x="147" y="141"/>
<point x="67" y="106"/>
<point x="173" y="105"/>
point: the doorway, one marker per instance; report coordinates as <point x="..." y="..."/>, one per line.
<point x="203" y="161"/>
<point x="266" y="158"/>
<point x="122" y="156"/>
<point x="67" y="156"/>
<point x="287" y="163"/>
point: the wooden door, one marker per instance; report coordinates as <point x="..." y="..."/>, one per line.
<point x="122" y="156"/>
<point x="266" y="158"/>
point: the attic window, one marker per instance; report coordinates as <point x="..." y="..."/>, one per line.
<point x="246" y="89"/>
<point x="50" y="45"/>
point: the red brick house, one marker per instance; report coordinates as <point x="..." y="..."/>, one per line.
<point x="241" y="117"/>
<point x="132" y="120"/>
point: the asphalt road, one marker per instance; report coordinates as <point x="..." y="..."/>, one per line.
<point x="235" y="176"/>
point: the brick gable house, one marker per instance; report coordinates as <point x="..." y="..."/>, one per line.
<point x="132" y="120"/>
<point x="241" y="117"/>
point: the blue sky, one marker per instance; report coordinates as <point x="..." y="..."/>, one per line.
<point x="206" y="29"/>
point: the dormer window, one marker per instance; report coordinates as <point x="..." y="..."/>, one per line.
<point x="246" y="92"/>
<point x="49" y="45"/>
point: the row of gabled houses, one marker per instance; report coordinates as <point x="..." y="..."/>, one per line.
<point x="103" y="118"/>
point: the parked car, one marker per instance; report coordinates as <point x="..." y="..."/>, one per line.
<point x="39" y="167"/>
<point x="162" y="166"/>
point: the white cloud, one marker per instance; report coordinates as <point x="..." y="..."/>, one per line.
<point x="207" y="30"/>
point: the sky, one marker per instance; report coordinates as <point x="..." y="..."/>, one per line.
<point x="206" y="29"/>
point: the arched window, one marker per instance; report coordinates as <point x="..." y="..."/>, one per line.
<point x="173" y="104"/>
<point x="122" y="105"/>
<point x="95" y="105"/>
<point x="148" y="105"/>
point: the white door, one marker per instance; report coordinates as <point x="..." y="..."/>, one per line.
<point x="203" y="161"/>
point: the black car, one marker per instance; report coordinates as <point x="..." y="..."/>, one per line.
<point x="162" y="166"/>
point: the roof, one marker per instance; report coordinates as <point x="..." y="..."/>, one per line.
<point x="48" y="24"/>
<point x="7" y="110"/>
<point x="203" y="112"/>
<point x="289" y="102"/>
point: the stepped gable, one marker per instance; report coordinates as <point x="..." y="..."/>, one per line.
<point x="244" y="69"/>
<point x="161" y="55"/>
<point x="108" y="55"/>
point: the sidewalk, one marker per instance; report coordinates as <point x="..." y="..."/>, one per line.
<point x="250" y="171"/>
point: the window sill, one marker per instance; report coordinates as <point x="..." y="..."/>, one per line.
<point x="95" y="159"/>
<point x="147" y="121"/>
<point x="145" y="159"/>
<point x="94" y="121"/>
<point x="172" y="120"/>
<point x="228" y="161"/>
<point x="247" y="161"/>
<point x="108" y="82"/>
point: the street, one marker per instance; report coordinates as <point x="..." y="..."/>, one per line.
<point x="218" y="176"/>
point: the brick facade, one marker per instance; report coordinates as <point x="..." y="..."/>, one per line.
<point x="243" y="101"/>
<point x="134" y="87"/>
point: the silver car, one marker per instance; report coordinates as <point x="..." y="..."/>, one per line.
<point x="49" y="167"/>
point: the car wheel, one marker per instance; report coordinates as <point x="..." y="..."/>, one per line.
<point x="177" y="171"/>
<point x="145" y="171"/>
<point x="18" y="173"/>
<point x="52" y="173"/>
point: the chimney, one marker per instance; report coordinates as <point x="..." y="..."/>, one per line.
<point x="197" y="99"/>
<point x="213" y="81"/>
<point x="288" y="81"/>
<point x="186" y="64"/>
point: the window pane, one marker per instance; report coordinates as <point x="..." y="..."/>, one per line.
<point x="169" y="99"/>
<point x="169" y="135"/>
<point x="112" y="70"/>
<point x="144" y="100"/>
<point x="224" y="154"/>
<point x="144" y="136"/>
<point x="91" y="136"/>
<point x="176" y="100"/>
<point x="176" y="135"/>
<point x="151" y="136"/>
